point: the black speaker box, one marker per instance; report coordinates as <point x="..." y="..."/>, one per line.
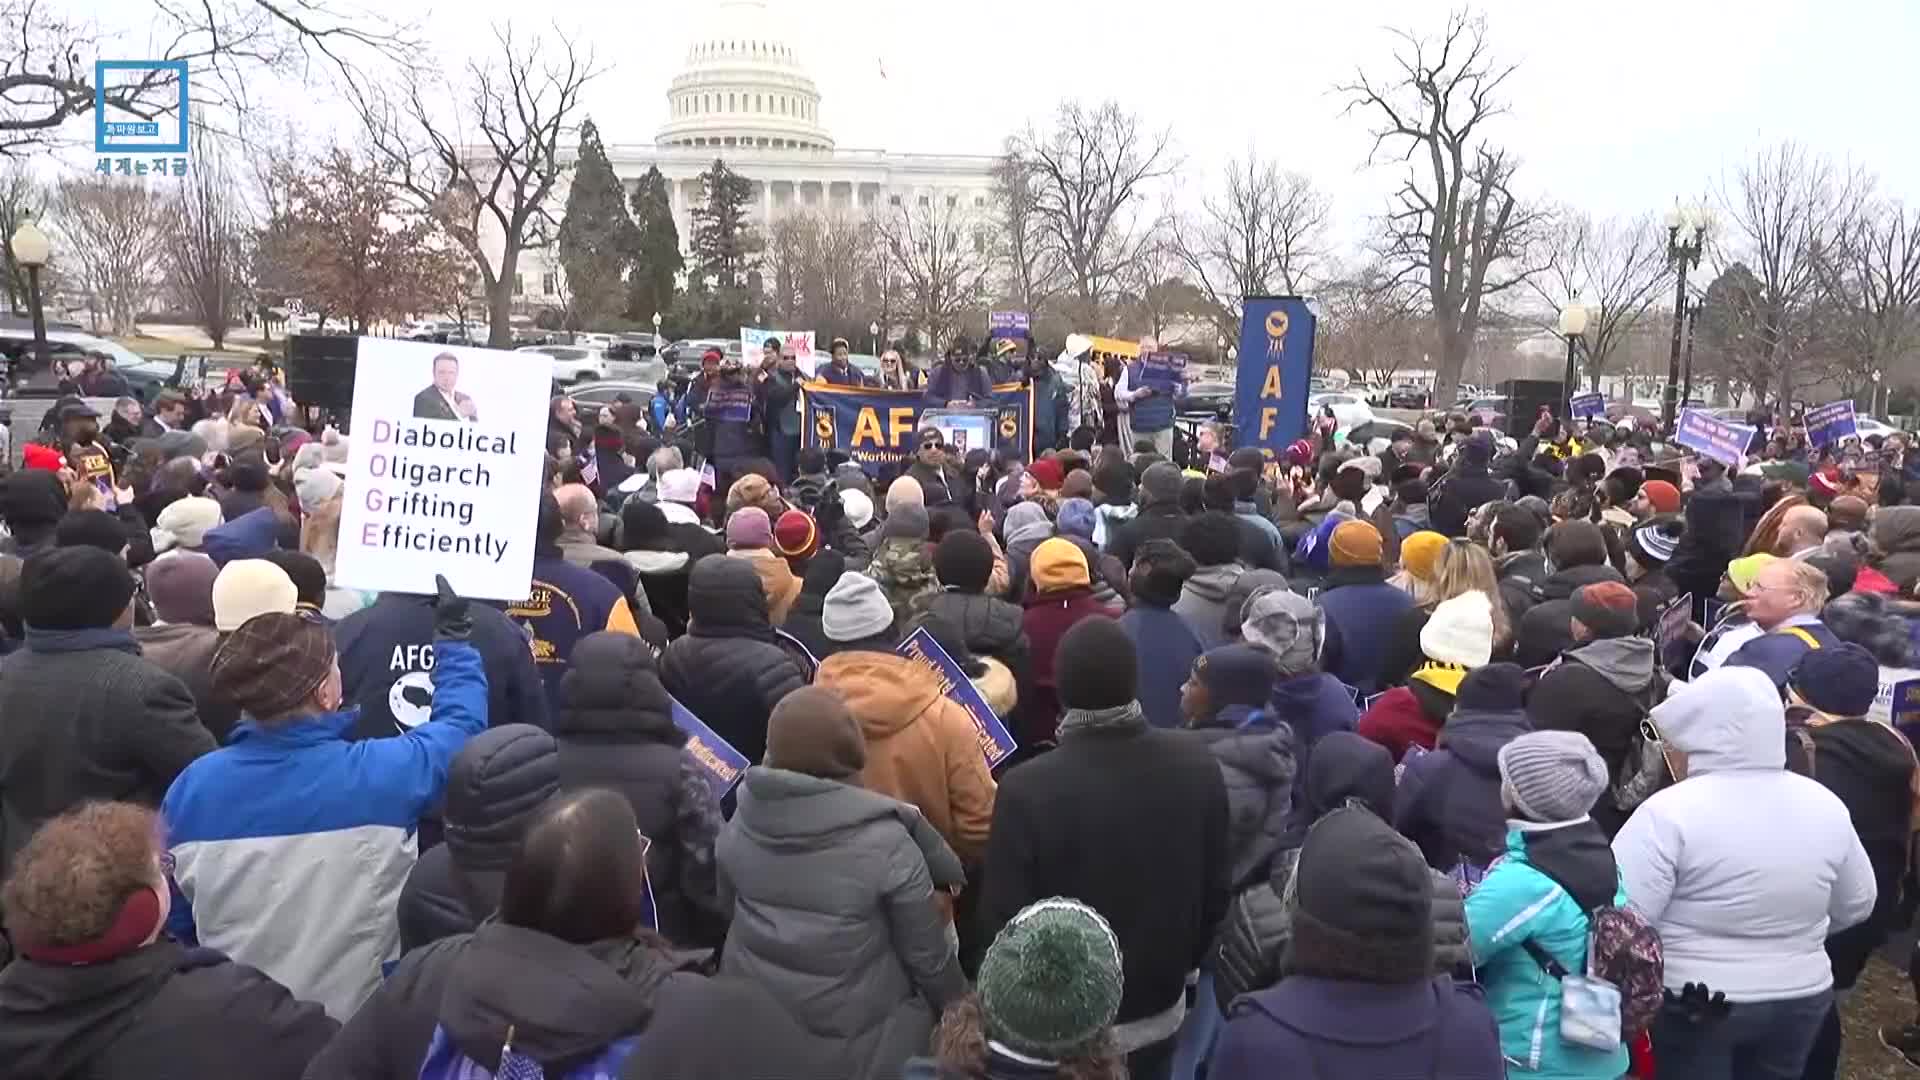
<point x="320" y="369"/>
<point x="1524" y="398"/>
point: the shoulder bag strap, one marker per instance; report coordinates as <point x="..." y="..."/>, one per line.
<point x="1801" y="633"/>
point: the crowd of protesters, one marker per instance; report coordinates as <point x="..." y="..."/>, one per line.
<point x="1458" y="755"/>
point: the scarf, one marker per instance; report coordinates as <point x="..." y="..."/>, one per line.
<point x="61" y="641"/>
<point x="1119" y="718"/>
<point x="1444" y="677"/>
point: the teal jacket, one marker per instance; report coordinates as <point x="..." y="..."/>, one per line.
<point x="1516" y="902"/>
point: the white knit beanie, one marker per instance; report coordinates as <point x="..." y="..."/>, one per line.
<point x="249" y="587"/>
<point x="184" y="523"/>
<point x="1460" y="631"/>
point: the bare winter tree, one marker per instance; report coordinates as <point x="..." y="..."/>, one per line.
<point x="1785" y="207"/>
<point x="205" y="239"/>
<point x="1455" y="225"/>
<point x="114" y="232"/>
<point x="490" y="173"/>
<point x="1031" y="266"/>
<point x="815" y="269"/>
<point x="1264" y="234"/>
<point x="1871" y="281"/>
<point x="938" y="253"/>
<point x="22" y="199"/>
<point x="1155" y="291"/>
<point x="1369" y="326"/>
<point x="1618" y="268"/>
<point x="1091" y="173"/>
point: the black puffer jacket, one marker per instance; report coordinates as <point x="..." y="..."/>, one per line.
<point x="729" y="671"/>
<point x="615" y="729"/>
<point x="496" y="783"/>
<point x="1545" y="631"/>
<point x="1257" y="765"/>
<point x="990" y="627"/>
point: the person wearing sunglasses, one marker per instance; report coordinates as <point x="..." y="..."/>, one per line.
<point x="940" y="482"/>
<point x="959" y="383"/>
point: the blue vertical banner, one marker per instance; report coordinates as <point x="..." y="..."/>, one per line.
<point x="1275" y="368"/>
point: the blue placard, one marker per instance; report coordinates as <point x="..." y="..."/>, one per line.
<point x="1832" y="422"/>
<point x="1587" y="406"/>
<point x="1165" y="372"/>
<point x="1008" y="324"/>
<point x="1275" y="369"/>
<point x="1715" y="438"/>
<point x="734" y="403"/>
<point x="1904" y="711"/>
<point x="723" y="765"/>
<point x="995" y="742"/>
<point x="876" y="427"/>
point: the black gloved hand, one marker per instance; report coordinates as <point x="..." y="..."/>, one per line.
<point x="1694" y="1005"/>
<point x="450" y="619"/>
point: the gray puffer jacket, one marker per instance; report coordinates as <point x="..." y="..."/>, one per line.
<point x="833" y="913"/>
<point x="1257" y="765"/>
<point x="1259" y="927"/>
<point x="1203" y="600"/>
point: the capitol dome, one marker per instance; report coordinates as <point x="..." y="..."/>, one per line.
<point x="743" y="86"/>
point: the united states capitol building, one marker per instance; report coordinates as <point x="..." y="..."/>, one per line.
<point x="744" y="96"/>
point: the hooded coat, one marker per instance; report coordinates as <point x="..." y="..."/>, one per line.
<point x="1602" y="690"/>
<point x="1048" y="618"/>
<point x="1254" y="936"/>
<point x="663" y="575"/>
<point x="816" y="868"/>
<point x="1317" y="1027"/>
<point x="1314" y="705"/>
<point x="492" y="789"/>
<point x="1448" y="801"/>
<point x="1362" y="610"/>
<point x="728" y="670"/>
<point x="1203" y="602"/>
<point x="1457" y="495"/>
<point x="1743" y="867"/>
<point x="1716" y="530"/>
<point x="988" y="626"/>
<point x="1257" y="766"/>
<point x="1545" y="631"/>
<point x="1166" y="646"/>
<point x="192" y="1011"/>
<point x="923" y="747"/>
<point x="1896" y="545"/>
<point x="567" y="1003"/>
<point x="1519" y="573"/>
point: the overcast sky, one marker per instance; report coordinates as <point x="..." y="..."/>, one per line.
<point x="1642" y="102"/>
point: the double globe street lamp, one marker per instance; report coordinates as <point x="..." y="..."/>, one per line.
<point x="1687" y="231"/>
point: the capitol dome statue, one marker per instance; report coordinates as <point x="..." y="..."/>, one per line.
<point x="743" y="86"/>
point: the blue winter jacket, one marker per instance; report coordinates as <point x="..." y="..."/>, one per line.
<point x="1314" y="705"/>
<point x="1166" y="646"/>
<point x="248" y="536"/>
<point x="1518" y="902"/>
<point x="1777" y="651"/>
<point x="1362" y="612"/>
<point x="290" y="844"/>
<point x="1448" y="800"/>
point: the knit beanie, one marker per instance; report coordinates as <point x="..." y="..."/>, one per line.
<point x="1288" y="626"/>
<point x="1236" y="675"/>
<point x="1162" y="482"/>
<point x="184" y="522"/>
<point x="1839" y="682"/>
<point x="795" y="535"/>
<point x="1094" y="666"/>
<point x="963" y="560"/>
<point x="1743" y="570"/>
<point x="908" y="521"/>
<point x="748" y="527"/>
<point x="1046" y="472"/>
<point x="905" y="491"/>
<point x="1551" y="776"/>
<point x="181" y="588"/>
<point x="823" y="573"/>
<point x="811" y="731"/>
<point x="1662" y="496"/>
<point x="1076" y="518"/>
<point x="74" y="588"/>
<point x="1653" y="543"/>
<point x="246" y="588"/>
<point x="1493" y="688"/>
<point x="1460" y="631"/>
<point x="1355" y="543"/>
<point x="317" y="487"/>
<point x="1077" y="485"/>
<point x="92" y="528"/>
<point x="856" y="608"/>
<point x="1420" y="553"/>
<point x="1051" y="982"/>
<point x="1607" y="609"/>
<point x="1363" y="903"/>
<point x="642" y="523"/>
<point x="1057" y="564"/>
<point x="858" y="505"/>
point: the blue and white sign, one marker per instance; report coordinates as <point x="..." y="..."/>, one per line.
<point x="995" y="741"/>
<point x="1587" y="406"/>
<point x="1165" y="372"/>
<point x="1832" y="422"/>
<point x="140" y="117"/>
<point x="1713" y="437"/>
<point x="722" y="764"/>
<point x="1008" y="324"/>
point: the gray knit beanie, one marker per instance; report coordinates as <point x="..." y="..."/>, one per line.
<point x="1551" y="776"/>
<point x="1051" y="981"/>
<point x="855" y="609"/>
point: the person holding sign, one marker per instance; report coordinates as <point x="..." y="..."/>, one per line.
<point x="1145" y="394"/>
<point x="959" y="383"/>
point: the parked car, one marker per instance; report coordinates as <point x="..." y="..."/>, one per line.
<point x="1867" y="425"/>
<point x="1213" y="400"/>
<point x="571" y="363"/>
<point x="1349" y="410"/>
<point x="1408" y="396"/>
<point x="683" y="356"/>
<point x="601" y="394"/>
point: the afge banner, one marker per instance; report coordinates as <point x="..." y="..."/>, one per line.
<point x="876" y="427"/>
<point x="443" y="469"/>
<point x="1275" y="370"/>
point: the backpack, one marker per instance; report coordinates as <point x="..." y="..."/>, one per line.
<point x="444" y="1061"/>
<point x="1624" y="949"/>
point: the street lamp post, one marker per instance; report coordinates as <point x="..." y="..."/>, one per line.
<point x="1573" y="325"/>
<point x="1873" y="405"/>
<point x="1687" y="229"/>
<point x="1686" y="377"/>
<point x="32" y="249"/>
<point x="656" y="333"/>
<point x="873" y="338"/>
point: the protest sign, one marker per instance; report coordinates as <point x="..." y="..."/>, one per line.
<point x="1274" y="373"/>
<point x="1669" y="632"/>
<point x="1164" y="372"/>
<point x="728" y="402"/>
<point x="718" y="760"/>
<point x="1587" y="406"/>
<point x="1007" y="324"/>
<point x="753" y="340"/>
<point x="995" y="742"/>
<point x="1832" y="422"/>
<point x="876" y="427"/>
<point x="1713" y="437"/>
<point x="443" y="469"/>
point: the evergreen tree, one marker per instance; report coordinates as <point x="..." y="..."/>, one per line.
<point x="725" y="244"/>
<point x="597" y="238"/>
<point x="657" y="260"/>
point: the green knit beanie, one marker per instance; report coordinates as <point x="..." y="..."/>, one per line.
<point x="1050" y="983"/>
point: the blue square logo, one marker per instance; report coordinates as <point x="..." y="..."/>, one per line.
<point x="159" y="126"/>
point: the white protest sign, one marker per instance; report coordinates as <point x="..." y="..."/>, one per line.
<point x="443" y="469"/>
